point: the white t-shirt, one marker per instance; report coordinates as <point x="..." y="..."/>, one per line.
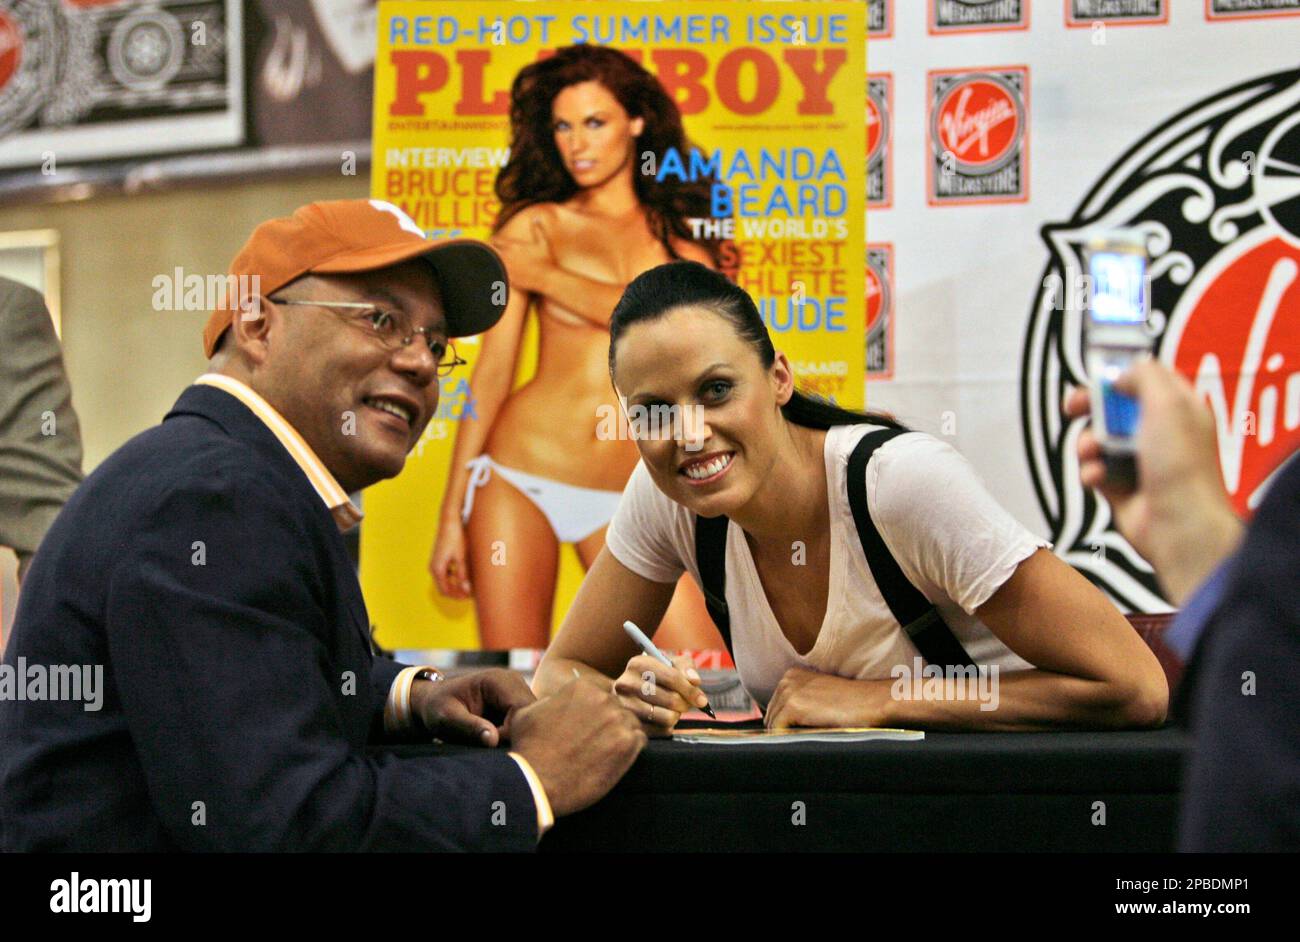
<point x="950" y="538"/>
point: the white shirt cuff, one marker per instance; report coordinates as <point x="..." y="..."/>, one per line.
<point x="397" y="708"/>
<point x="545" y="816"/>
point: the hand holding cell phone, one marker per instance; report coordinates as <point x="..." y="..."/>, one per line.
<point x="1176" y="513"/>
<point x="1115" y="338"/>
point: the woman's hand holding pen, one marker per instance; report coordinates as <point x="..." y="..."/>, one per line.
<point x="657" y="694"/>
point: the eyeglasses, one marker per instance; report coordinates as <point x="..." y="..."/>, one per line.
<point x="391" y="328"/>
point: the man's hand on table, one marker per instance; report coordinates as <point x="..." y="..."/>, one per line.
<point x="579" y="740"/>
<point x="470" y="708"/>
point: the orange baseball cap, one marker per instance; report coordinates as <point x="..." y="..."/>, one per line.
<point x="345" y="236"/>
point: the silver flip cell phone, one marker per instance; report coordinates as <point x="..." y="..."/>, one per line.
<point x="1115" y="336"/>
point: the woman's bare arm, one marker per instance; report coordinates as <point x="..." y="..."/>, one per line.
<point x="527" y="252"/>
<point x="592" y="300"/>
<point x="591" y="640"/>
<point x="525" y="246"/>
<point x="1092" y="670"/>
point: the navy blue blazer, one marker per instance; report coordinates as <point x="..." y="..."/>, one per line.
<point x="202" y="571"/>
<point x="1241" y="789"/>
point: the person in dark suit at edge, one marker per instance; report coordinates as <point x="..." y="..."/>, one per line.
<point x="1238" y="630"/>
<point x="202" y="572"/>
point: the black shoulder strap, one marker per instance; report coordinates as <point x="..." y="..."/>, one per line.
<point x="918" y="617"/>
<point x="711" y="560"/>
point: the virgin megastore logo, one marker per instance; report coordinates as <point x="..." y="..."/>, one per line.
<point x="1216" y="190"/>
<point x="978" y="132"/>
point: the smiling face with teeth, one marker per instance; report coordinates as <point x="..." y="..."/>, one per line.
<point x="359" y="405"/>
<point x="729" y="404"/>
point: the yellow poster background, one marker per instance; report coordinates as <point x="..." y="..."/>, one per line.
<point x="791" y="150"/>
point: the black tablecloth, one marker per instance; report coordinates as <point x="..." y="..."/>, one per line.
<point x="949" y="792"/>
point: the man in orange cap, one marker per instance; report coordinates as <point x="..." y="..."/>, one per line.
<point x="197" y="589"/>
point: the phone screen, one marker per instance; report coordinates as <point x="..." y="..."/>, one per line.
<point x="1118" y="281"/>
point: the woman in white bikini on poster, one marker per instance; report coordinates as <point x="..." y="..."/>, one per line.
<point x="580" y="218"/>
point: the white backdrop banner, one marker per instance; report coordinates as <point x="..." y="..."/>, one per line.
<point x="1000" y="132"/>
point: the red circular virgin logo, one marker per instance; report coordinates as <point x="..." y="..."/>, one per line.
<point x="875" y="129"/>
<point x="979" y="122"/>
<point x="1239" y="345"/>
<point x="11" y="48"/>
<point x="875" y="297"/>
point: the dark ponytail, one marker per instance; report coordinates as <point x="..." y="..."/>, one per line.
<point x="666" y="287"/>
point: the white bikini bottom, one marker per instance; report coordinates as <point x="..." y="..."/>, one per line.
<point x="574" y="513"/>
